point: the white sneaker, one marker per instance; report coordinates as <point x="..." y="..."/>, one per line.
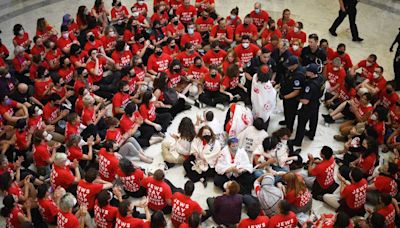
<point x="220" y="107"/>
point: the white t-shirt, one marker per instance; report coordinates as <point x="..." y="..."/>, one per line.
<point x="250" y="138"/>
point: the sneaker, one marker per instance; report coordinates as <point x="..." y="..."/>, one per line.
<point x="340" y="138"/>
<point x="282" y="122"/>
<point x="358" y="39"/>
<point x="220" y="107"/>
<point x="333" y="33"/>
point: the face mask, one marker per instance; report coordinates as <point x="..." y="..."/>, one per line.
<point x="340" y="52"/>
<point x="257" y="10"/>
<point x="207" y="138"/>
<point x="213" y="74"/>
<point x="205" y="17"/>
<point x="8" y="102"/>
<point x="216" y="50"/>
<point x="112" y="33"/>
<point x="389" y="91"/>
<point x="115" y="147"/>
<point x="68" y="65"/>
<point x="7" y="75"/>
<point x="21" y="32"/>
<point x="175" y="22"/>
<point x="335" y="68"/>
<point x="296" y="30"/>
<point x="245" y="45"/>
<point x="198" y="65"/>
<point x="373" y="117"/>
<point x="48" y="137"/>
<point x="39" y="111"/>
<point x="140" y="2"/>
<point x="91" y="38"/>
<point x="172" y="46"/>
<point x="135" y="14"/>
<point x="119" y="4"/>
<point x="284" y="141"/>
<point x="233" y="16"/>
<point x="126" y="48"/>
<point x="272" y="28"/>
<point x="62" y="84"/>
<point x="190" y="31"/>
<point x="65" y="35"/>
<point x="245" y="24"/>
<point x="295" y="47"/>
<point x="368" y="64"/>
<point x="158" y="53"/>
<point x="376" y="75"/>
<point x="54" y="48"/>
<point x="126" y="91"/>
<point x="176" y="69"/>
<point x="87" y="12"/>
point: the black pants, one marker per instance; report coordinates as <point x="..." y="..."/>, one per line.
<point x="193" y="175"/>
<point x="146" y="131"/>
<point x="175" y="109"/>
<point x="212" y="98"/>
<point x="290" y="111"/>
<point x="245" y="180"/>
<point x="317" y="190"/>
<point x="139" y="193"/>
<point x="306" y="113"/>
<point x="396" y="67"/>
<point x="243" y="95"/>
<point x="164" y="119"/>
<point x="110" y="83"/>
<point x="352" y="19"/>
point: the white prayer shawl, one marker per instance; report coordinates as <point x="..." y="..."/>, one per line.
<point x="242" y="117"/>
<point x="280" y="153"/>
<point x="224" y="162"/>
<point x="207" y="154"/>
<point x="179" y="147"/>
<point x="263" y="98"/>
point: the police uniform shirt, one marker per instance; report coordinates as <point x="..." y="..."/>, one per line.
<point x="307" y="56"/>
<point x="293" y="81"/>
<point x="350" y="3"/>
<point x="280" y="59"/>
<point x="313" y="89"/>
<point x="255" y="64"/>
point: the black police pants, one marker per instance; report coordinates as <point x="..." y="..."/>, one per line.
<point x="352" y="19"/>
<point x="396" y="67"/>
<point x="307" y="113"/>
<point x="290" y="111"/>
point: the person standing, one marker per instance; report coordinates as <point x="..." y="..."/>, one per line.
<point x="309" y="98"/>
<point x="347" y="7"/>
<point x="396" y="61"/>
<point x="290" y="90"/>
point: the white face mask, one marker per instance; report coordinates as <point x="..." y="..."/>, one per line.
<point x="295" y="47"/>
<point x="284" y="141"/>
<point x="135" y="14"/>
<point x="335" y="68"/>
<point x="47" y="136"/>
<point x="233" y="16"/>
<point x="39" y="112"/>
<point x="21" y="32"/>
<point x="296" y="29"/>
<point x="257" y="10"/>
<point x="376" y="75"/>
<point x="374" y="117"/>
<point x="126" y="48"/>
<point x="8" y="75"/>
<point x="140" y="2"/>
<point x="65" y="35"/>
<point x="112" y="33"/>
<point x="245" y="45"/>
<point x="190" y="31"/>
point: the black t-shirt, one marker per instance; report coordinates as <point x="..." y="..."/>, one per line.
<point x="280" y="59"/>
<point x="255" y="64"/>
<point x="313" y="90"/>
<point x="7" y="84"/>
<point x="21" y="98"/>
<point x="307" y="56"/>
<point x="293" y="81"/>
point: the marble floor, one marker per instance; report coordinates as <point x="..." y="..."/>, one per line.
<point x="377" y="22"/>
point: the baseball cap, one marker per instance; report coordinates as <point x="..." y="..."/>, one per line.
<point x="312" y="67"/>
<point x="291" y="61"/>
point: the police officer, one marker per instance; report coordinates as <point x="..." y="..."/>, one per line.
<point x="254" y="65"/>
<point x="309" y="98"/>
<point x="291" y="86"/>
<point x="313" y="53"/>
<point x="280" y="55"/>
<point x="347" y="7"/>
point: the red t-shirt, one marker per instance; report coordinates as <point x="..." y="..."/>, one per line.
<point x="148" y="113"/>
<point x="48" y="209"/>
<point x="22" y="41"/>
<point x="300" y="36"/>
<point x="87" y="192"/>
<point x="21" y="142"/>
<point x="120" y="100"/>
<point x="129" y="221"/>
<point x="324" y="173"/>
<point x="369" y="70"/>
<point x="159" y="63"/>
<point x="380" y="83"/>
<point x="386" y="185"/>
<point x="217" y="32"/>
<point x="66" y="43"/>
<point x="230" y="83"/>
<point x="186" y="59"/>
<point x="245" y="55"/>
<point x="91" y="66"/>
<point x="250" y="30"/>
<point x="50" y="112"/>
<point x="205" y="23"/>
<point x="157" y="193"/>
<point x="186" y="13"/>
<point x="126" y="123"/>
<point x="198" y="73"/>
<point x="346" y="60"/>
<point x="260" y="221"/>
<point x="12" y="219"/>
<point x="78" y="58"/>
<point x="212" y="58"/>
<point x="53" y="58"/>
<point x="287" y="221"/>
<point x="233" y="22"/>
<point x="71" y="130"/>
<point x="38" y="50"/>
<point x="182" y="208"/>
<point x="104" y="217"/>
<point x="390" y="215"/>
<point x="98" y="45"/>
<point x="194" y="39"/>
<point x="88" y="115"/>
<point x="345" y="95"/>
<point x="122" y="59"/>
<point x="389" y="100"/>
<point x="131" y="182"/>
<point x="212" y="84"/>
<point x="61" y="176"/>
<point x="109" y="42"/>
<point x="368" y="163"/>
<point x="259" y="18"/>
<point x="335" y="77"/>
<point x="203" y="5"/>
<point x="74" y="152"/>
<point x="67" y="220"/>
<point x="167" y="50"/>
<point x="18" y="61"/>
<point x="300" y="200"/>
<point x="108" y="165"/>
<point x="119" y="13"/>
<point x="67" y="74"/>
<point x="289" y="23"/>
<point x="355" y="194"/>
<point x="41" y="154"/>
<point x="114" y="135"/>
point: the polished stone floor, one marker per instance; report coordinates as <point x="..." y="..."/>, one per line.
<point x="377" y="22"/>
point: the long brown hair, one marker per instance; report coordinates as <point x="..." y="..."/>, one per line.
<point x="293" y="182"/>
<point x="200" y="133"/>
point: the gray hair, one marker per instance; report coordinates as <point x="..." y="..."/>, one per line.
<point x="67" y="202"/>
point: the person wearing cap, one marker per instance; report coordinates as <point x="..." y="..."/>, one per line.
<point x="234" y="164"/>
<point x="309" y="98"/>
<point x="280" y="55"/>
<point x="291" y="86"/>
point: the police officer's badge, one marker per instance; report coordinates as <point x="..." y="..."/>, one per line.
<point x="296" y="82"/>
<point x="307" y="89"/>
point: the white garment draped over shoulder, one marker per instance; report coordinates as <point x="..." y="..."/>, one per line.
<point x="207" y="154"/>
<point x="224" y="162"/>
<point x="263" y="98"/>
